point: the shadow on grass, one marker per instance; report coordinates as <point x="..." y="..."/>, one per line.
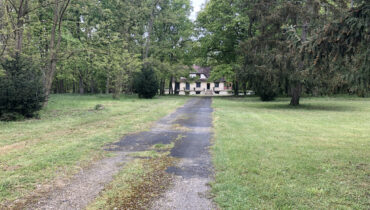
<point x="304" y="107"/>
<point x="283" y="104"/>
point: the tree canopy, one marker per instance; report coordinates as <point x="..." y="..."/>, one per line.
<point x="287" y="47"/>
<point x="94" y="46"/>
<point x="273" y="47"/>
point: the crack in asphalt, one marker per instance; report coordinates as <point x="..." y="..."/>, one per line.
<point x="192" y="173"/>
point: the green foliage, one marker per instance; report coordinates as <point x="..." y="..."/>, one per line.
<point x="21" y="89"/>
<point x="102" y="42"/>
<point x="11" y="116"/>
<point x="341" y="47"/>
<point x="2" y="73"/>
<point x="223" y="71"/>
<point x="268" y="45"/>
<point x="145" y="83"/>
<point x="264" y="82"/>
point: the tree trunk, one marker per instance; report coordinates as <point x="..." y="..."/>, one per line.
<point x="170" y="88"/>
<point x="296" y="90"/>
<point x="286" y="86"/>
<point x="118" y="83"/>
<point x="250" y="27"/>
<point x="161" y="88"/>
<point x="245" y="88"/>
<point x="107" y="86"/>
<point x="51" y="62"/>
<point x="236" y="88"/>
<point x="296" y="87"/>
<point x="74" y="87"/>
<point x="61" y="86"/>
<point x="57" y="86"/>
<point x="150" y="29"/>
<point x="117" y="90"/>
<point x="81" y="85"/>
<point x="22" y="11"/>
<point x="19" y="36"/>
<point x="54" y="44"/>
<point x="92" y="84"/>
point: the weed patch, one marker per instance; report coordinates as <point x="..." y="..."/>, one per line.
<point x="137" y="185"/>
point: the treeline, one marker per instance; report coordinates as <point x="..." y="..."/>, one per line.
<point x="287" y="47"/>
<point x="96" y="46"/>
<point x="272" y="47"/>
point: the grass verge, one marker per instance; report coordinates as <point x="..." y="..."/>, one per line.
<point x="69" y="135"/>
<point x="273" y="156"/>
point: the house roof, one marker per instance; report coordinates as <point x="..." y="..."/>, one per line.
<point x="202" y="70"/>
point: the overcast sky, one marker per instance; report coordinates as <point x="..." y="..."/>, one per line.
<point x="197" y="4"/>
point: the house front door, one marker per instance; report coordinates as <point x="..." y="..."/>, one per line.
<point x="208" y="86"/>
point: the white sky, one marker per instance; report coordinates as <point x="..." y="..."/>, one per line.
<point x="197" y="5"/>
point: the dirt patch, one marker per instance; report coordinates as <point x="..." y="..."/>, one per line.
<point x="11" y="147"/>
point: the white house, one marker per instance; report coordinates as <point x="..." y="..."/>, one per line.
<point x="198" y="83"/>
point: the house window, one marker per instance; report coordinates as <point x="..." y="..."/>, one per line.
<point x="187" y="86"/>
<point x="198" y="84"/>
<point x="217" y="84"/>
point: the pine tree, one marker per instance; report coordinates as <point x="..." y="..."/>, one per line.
<point x="146" y="84"/>
<point x="21" y="89"/>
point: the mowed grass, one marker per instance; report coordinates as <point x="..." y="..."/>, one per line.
<point x="69" y="135"/>
<point x="273" y="156"/>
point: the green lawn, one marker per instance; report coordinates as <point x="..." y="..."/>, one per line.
<point x="273" y="156"/>
<point x="69" y="135"/>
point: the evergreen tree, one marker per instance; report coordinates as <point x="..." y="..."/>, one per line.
<point x="341" y="51"/>
<point x="21" y="89"/>
<point x="271" y="46"/>
<point x="146" y="84"/>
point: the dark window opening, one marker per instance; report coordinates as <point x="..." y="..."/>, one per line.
<point x="177" y="87"/>
<point x="217" y="92"/>
<point x="197" y="92"/>
<point x="198" y="84"/>
<point x="208" y="86"/>
<point x="217" y="84"/>
<point x="187" y="86"/>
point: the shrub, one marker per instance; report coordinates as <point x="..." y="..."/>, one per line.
<point x="21" y="89"/>
<point x="11" y="116"/>
<point x="267" y="95"/>
<point x="146" y="83"/>
<point x="265" y="83"/>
